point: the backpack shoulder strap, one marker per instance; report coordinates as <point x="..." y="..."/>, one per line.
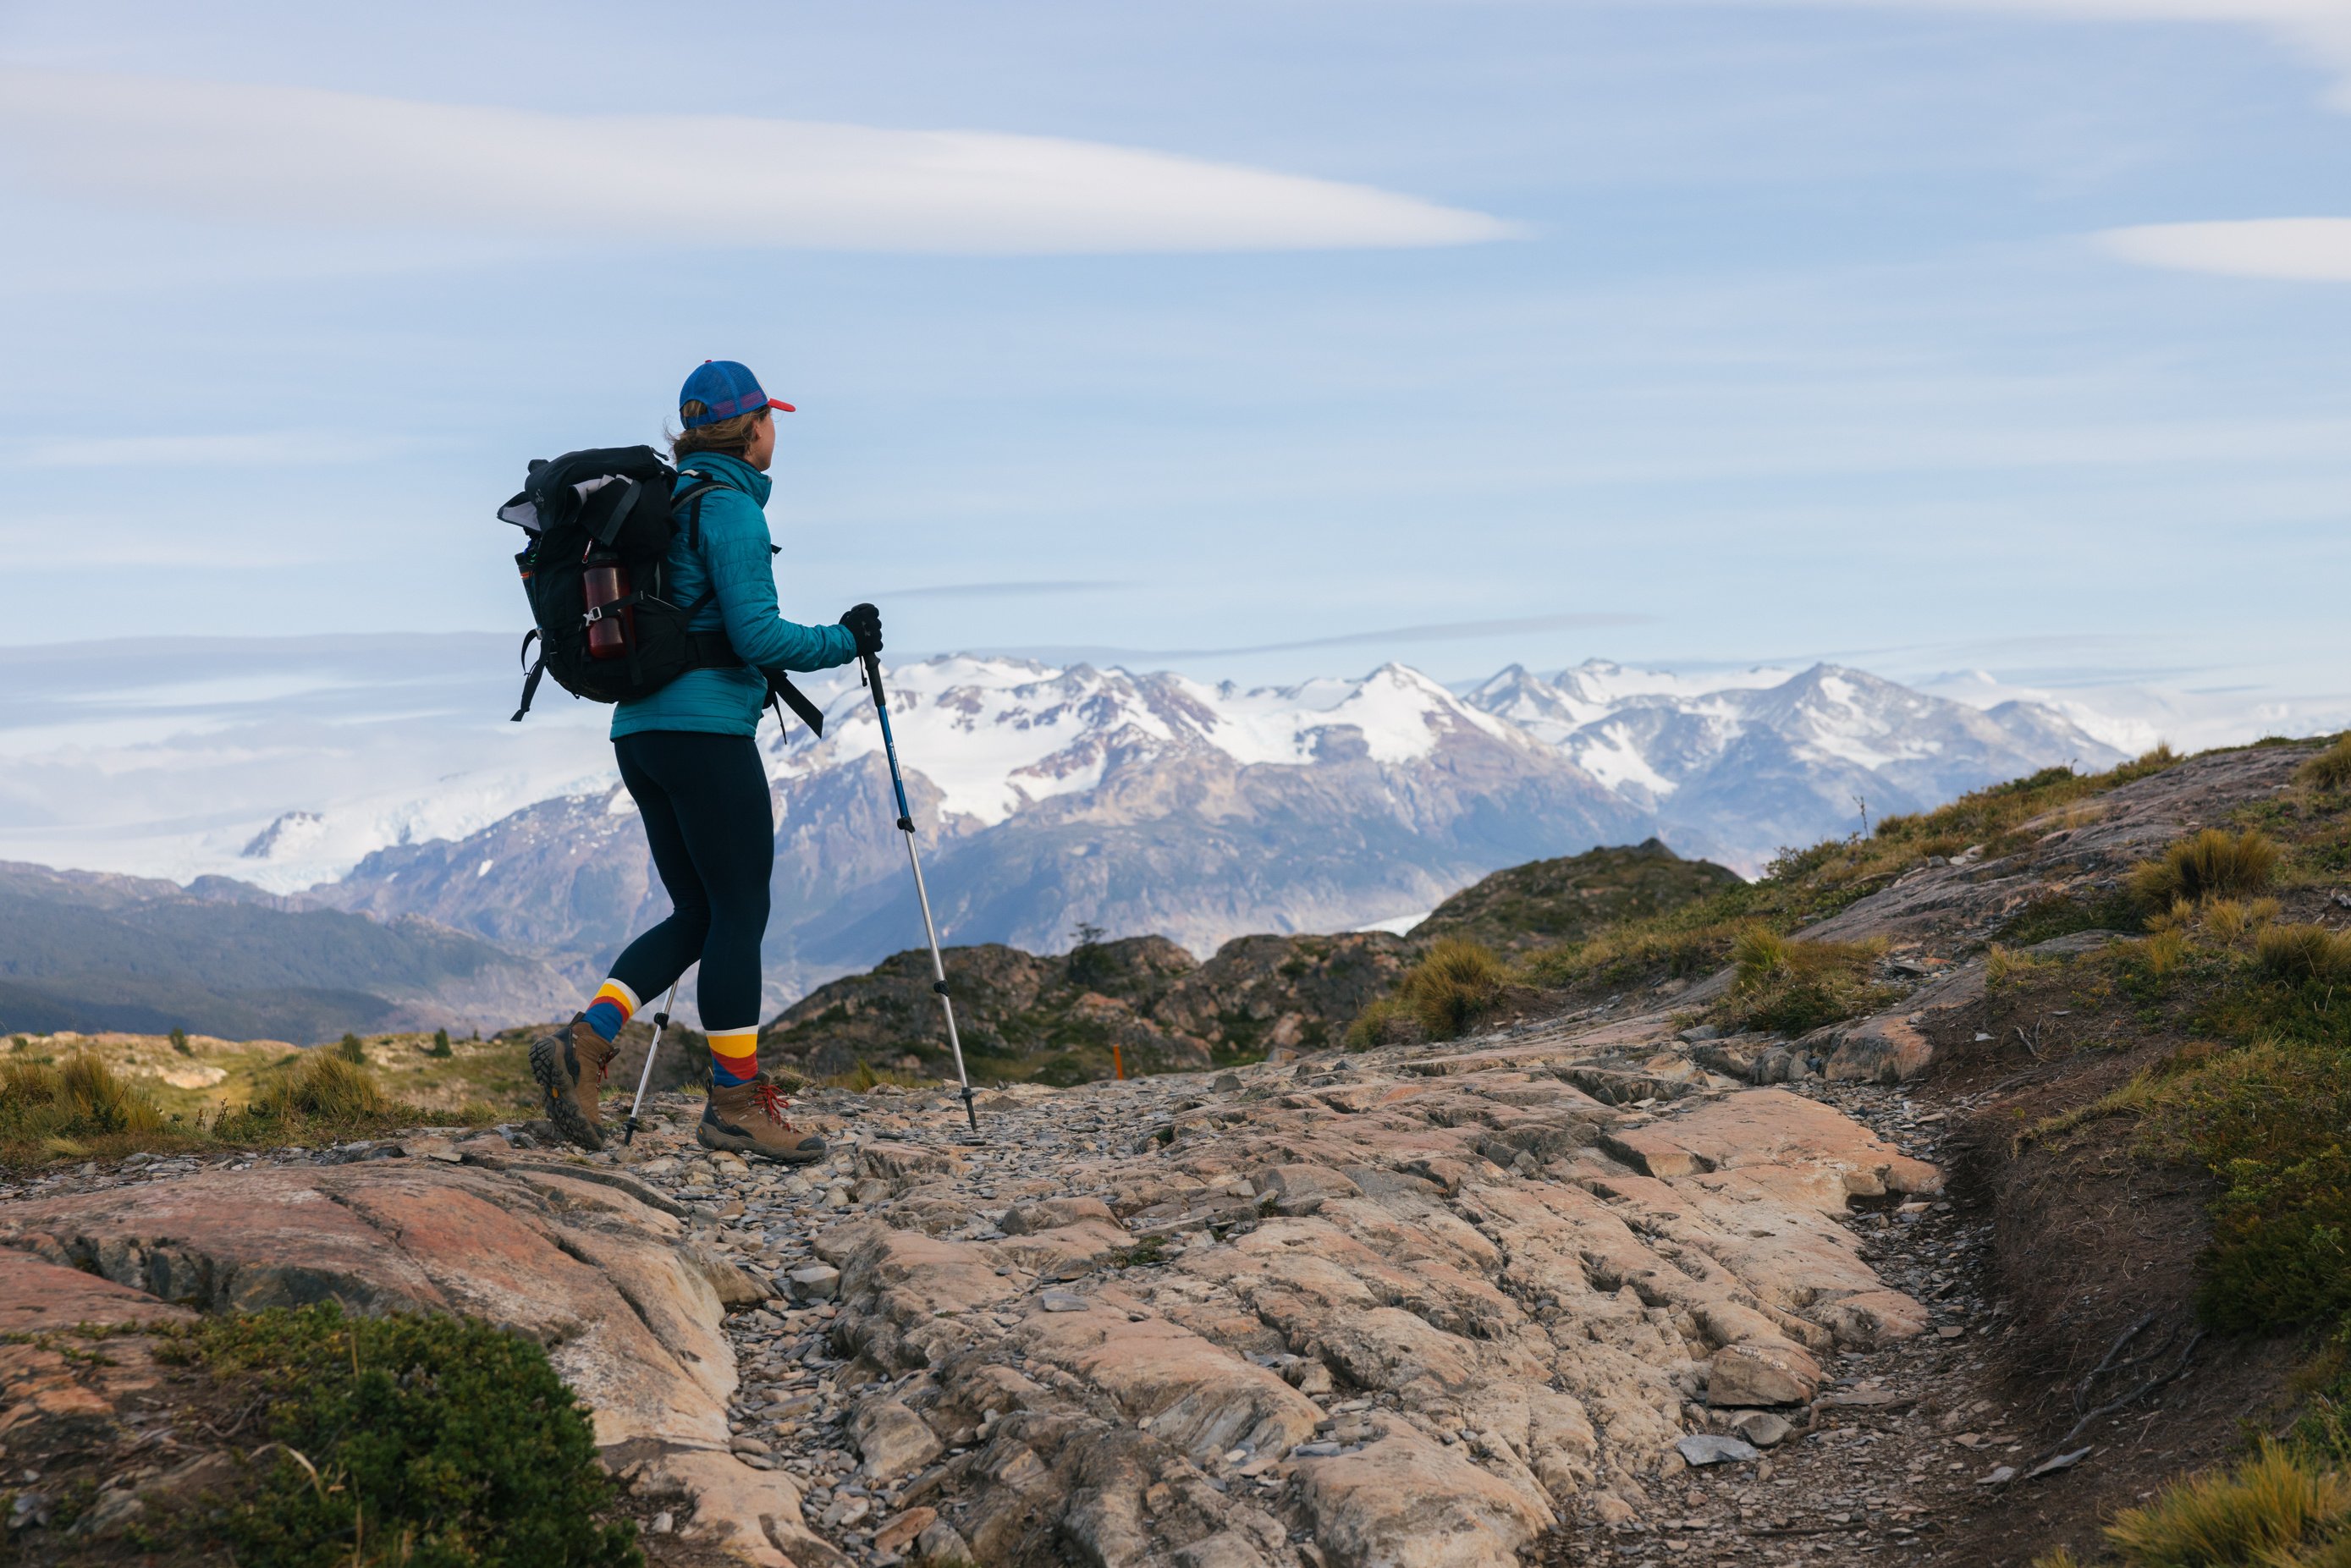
<point x="692" y="501"/>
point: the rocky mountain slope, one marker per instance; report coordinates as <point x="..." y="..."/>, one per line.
<point x="1140" y="1003"/>
<point x="1056" y="1019"/>
<point x="1050" y="799"/>
<point x="90" y="952"/>
<point x="1549" y="904"/>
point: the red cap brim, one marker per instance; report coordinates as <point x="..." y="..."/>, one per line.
<point x="779" y="402"/>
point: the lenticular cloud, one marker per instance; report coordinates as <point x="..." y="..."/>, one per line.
<point x="2305" y="249"/>
<point x="356" y="162"/>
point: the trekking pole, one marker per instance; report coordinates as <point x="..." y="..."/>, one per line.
<point x="661" y="1022"/>
<point x="873" y="674"/>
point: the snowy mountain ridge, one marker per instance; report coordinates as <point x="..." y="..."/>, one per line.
<point x="1052" y="796"/>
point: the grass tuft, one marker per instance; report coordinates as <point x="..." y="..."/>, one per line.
<point x="2259" y="1511"/>
<point x="1456" y="983"/>
<point x="326" y="1086"/>
<point x="1383" y="1021"/>
<point x="44" y="1102"/>
<point x="2215" y="864"/>
<point x="2331" y="769"/>
<point x="2296" y="954"/>
<point x="1794" y="985"/>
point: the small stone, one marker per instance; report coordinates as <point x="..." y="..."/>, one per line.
<point x="1950" y="1331"/>
<point x="1760" y="1428"/>
<point x="1064" y="1301"/>
<point x="2000" y="1477"/>
<point x="749" y="1446"/>
<point x="662" y="1523"/>
<point x="941" y="1544"/>
<point x="1713" y="1448"/>
<point x="899" y="1531"/>
<point x="817" y="1282"/>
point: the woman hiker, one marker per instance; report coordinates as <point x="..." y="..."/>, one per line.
<point x="687" y="756"/>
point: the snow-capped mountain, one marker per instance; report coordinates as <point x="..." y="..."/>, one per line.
<point x="1051" y="798"/>
<point x="1739" y="766"/>
<point x="1048" y="798"/>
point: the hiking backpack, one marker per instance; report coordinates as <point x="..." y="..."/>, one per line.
<point x="595" y="571"/>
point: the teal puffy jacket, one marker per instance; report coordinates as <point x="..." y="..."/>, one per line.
<point x="732" y="572"/>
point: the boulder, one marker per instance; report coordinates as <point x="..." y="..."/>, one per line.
<point x="1882" y="1049"/>
<point x="1052" y="1213"/>
<point x="1405" y="1502"/>
<point x="1760" y="1373"/>
<point x="892" y="1440"/>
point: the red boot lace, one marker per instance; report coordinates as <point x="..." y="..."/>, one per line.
<point x="771" y="1103"/>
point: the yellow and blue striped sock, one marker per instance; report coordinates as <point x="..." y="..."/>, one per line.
<point x="734" y="1056"/>
<point x="612" y="1007"/>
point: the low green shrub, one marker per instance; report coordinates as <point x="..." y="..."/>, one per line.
<point x="2215" y="864"/>
<point x="1382" y="1022"/>
<point x="2266" y="1119"/>
<point x="428" y="1442"/>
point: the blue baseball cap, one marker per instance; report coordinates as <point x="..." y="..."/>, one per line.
<point x="727" y="390"/>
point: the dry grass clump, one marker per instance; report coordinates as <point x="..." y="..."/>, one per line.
<point x="2329" y="770"/>
<point x="1456" y="983"/>
<point x="1453" y="987"/>
<point x="55" y="1106"/>
<point x="2231" y="919"/>
<point x="2165" y="950"/>
<point x="1794" y="985"/>
<point x="2257" y="1513"/>
<point x="2005" y="966"/>
<point x="327" y="1086"/>
<point x="2215" y="864"/>
<point x="2299" y="953"/>
<point x="864" y="1079"/>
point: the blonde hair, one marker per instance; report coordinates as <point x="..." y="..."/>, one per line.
<point x="730" y="437"/>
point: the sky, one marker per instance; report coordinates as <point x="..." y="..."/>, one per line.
<point x="1992" y="346"/>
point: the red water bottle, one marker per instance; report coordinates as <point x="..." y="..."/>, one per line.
<point x="612" y="633"/>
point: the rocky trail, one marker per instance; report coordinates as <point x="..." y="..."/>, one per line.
<point x="1608" y="1288"/>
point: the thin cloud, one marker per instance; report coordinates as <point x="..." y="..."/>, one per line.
<point x="2314" y="250"/>
<point x="358" y="163"/>
<point x="2320" y="28"/>
<point x="277" y="449"/>
<point x="1441" y="631"/>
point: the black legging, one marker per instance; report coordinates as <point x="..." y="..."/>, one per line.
<point x="712" y="830"/>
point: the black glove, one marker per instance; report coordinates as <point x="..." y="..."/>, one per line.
<point x="865" y="623"/>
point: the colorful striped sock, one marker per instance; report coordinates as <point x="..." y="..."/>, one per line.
<point x="612" y="1007"/>
<point x="734" y="1056"/>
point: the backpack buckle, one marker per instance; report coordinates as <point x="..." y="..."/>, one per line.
<point x="595" y="613"/>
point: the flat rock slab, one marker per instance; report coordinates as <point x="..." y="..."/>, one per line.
<point x="1477" y="1301"/>
<point x="1775" y="1127"/>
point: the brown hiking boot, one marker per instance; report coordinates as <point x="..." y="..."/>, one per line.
<point x="748" y="1118"/>
<point x="570" y="1065"/>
